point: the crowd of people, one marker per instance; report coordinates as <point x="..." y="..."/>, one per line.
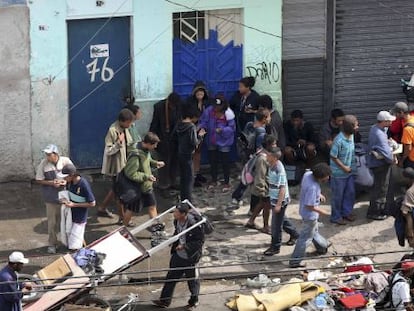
<point x="182" y="130"/>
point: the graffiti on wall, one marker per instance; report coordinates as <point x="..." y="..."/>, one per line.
<point x="268" y="72"/>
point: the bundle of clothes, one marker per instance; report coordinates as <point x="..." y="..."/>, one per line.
<point x="358" y="287"/>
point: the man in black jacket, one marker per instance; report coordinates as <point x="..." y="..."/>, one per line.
<point x="167" y="114"/>
<point x="185" y="254"/>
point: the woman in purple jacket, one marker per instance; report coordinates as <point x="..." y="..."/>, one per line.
<point x="219" y="122"/>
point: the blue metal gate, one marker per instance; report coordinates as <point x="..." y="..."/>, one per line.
<point x="205" y="48"/>
<point x="215" y="58"/>
<point x="99" y="81"/>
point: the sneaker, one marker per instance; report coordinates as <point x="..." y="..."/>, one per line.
<point x="234" y="201"/>
<point x="160" y="303"/>
<point x="156" y="227"/>
<point x="192" y="306"/>
<point x="377" y="217"/>
<point x="292" y="241"/>
<point x="340" y="222"/>
<point x="271" y="251"/>
<point x="297" y="265"/>
<point x="51" y="249"/>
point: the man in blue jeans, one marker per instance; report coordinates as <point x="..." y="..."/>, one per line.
<point x="309" y="209"/>
<point x="279" y="200"/>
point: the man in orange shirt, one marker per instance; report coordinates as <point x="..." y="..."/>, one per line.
<point x="407" y="159"/>
<point x="399" y="110"/>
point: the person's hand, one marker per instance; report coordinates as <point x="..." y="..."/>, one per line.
<point x="347" y="169"/>
<point x="219" y="130"/>
<point x="179" y="247"/>
<point x="160" y="164"/>
<point x="27" y="287"/>
<point x="57" y="183"/>
<point x="152" y="178"/>
<point x="68" y="203"/>
<point x="202" y="132"/>
<point x="121" y="138"/>
<point x="322" y="198"/>
<point x="277" y="208"/>
<point x="249" y="110"/>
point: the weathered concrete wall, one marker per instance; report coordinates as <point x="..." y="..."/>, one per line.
<point x="48" y="70"/>
<point x="15" y="119"/>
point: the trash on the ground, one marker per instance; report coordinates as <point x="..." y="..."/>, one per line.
<point x="338" y="262"/>
<point x="317" y="275"/>
<point x="362" y="289"/>
<point x="363" y="264"/>
<point x="262" y="280"/>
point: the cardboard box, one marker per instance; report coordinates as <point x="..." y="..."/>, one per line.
<point x="55" y="271"/>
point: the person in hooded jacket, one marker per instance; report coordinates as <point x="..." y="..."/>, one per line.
<point x="198" y="100"/>
<point x="188" y="141"/>
<point x="218" y="121"/>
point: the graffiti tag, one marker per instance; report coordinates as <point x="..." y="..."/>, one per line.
<point x="265" y="71"/>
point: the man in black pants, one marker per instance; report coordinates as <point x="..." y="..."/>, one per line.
<point x="185" y="254"/>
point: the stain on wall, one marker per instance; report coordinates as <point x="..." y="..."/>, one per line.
<point x="15" y="121"/>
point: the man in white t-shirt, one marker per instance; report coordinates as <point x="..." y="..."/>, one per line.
<point x="46" y="175"/>
<point x="401" y="295"/>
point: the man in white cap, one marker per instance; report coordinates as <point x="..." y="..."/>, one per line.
<point x="11" y="291"/>
<point x="46" y="175"/>
<point x="380" y="158"/>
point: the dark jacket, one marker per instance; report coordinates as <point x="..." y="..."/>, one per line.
<point x="236" y="105"/>
<point x="194" y="240"/>
<point x="161" y="127"/>
<point x="306" y="132"/>
<point x="186" y="135"/>
<point x="9" y="302"/>
<point x="276" y="129"/>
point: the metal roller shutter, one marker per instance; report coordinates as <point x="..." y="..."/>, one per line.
<point x="374" y="50"/>
<point x="304" y="41"/>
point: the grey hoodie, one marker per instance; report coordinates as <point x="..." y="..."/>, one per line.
<point x="187" y="137"/>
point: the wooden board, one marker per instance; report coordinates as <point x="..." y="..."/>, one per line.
<point x="61" y="290"/>
<point x="54" y="272"/>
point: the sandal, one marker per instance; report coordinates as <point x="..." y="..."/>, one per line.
<point x="250" y="226"/>
<point x="266" y="231"/>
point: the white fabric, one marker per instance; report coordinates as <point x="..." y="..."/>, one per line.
<point x="400" y="293"/>
<point x="65" y="219"/>
<point x="77" y="233"/>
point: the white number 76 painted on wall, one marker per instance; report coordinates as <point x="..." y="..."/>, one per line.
<point x="106" y="73"/>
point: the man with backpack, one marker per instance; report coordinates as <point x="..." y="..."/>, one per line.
<point x="399" y="290"/>
<point x="185" y="254"/>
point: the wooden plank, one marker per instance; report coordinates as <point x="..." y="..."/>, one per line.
<point x="62" y="290"/>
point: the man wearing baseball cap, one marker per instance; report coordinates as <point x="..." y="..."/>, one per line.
<point x="379" y="159"/>
<point x="11" y="291"/>
<point x="46" y="175"/>
<point x="399" y="110"/>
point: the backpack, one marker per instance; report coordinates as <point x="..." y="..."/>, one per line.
<point x="385" y="297"/>
<point x="207" y="227"/>
<point x="248" y="136"/>
<point x="247" y="174"/>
